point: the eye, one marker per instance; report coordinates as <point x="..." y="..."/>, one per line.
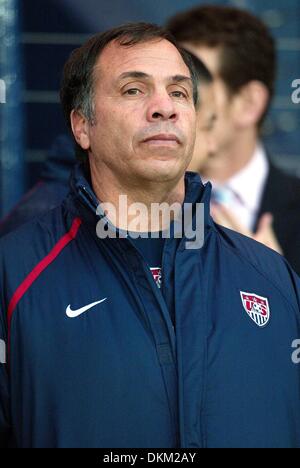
<point x="179" y="94"/>
<point x="132" y="92"/>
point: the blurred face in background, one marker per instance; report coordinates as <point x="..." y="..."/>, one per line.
<point x="225" y="131"/>
<point x="205" y="145"/>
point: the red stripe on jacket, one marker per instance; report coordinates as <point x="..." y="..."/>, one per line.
<point x="38" y="269"/>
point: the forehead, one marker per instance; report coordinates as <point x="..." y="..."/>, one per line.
<point x="207" y="99"/>
<point x="159" y="57"/>
<point x="210" y="56"/>
<point x="207" y="93"/>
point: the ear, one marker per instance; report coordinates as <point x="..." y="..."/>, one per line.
<point x="80" y="129"/>
<point x="250" y="104"/>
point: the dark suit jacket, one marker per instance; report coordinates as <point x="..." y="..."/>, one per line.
<point x="281" y="197"/>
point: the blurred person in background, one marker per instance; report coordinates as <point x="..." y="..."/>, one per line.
<point x="49" y="191"/>
<point x="205" y="142"/>
<point x="251" y="195"/>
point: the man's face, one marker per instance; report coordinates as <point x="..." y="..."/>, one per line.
<point x="205" y="144"/>
<point x="145" y="117"/>
<point x="225" y="130"/>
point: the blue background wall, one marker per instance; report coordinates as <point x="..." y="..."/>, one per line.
<point x="50" y="29"/>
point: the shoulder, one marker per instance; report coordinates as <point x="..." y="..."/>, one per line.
<point x="23" y="249"/>
<point x="46" y="225"/>
<point x="263" y="262"/>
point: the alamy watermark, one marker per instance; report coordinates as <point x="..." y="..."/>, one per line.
<point x="2" y="352"/>
<point x="296" y="93"/>
<point x="296" y="353"/>
<point x="2" y="92"/>
<point x="137" y="220"/>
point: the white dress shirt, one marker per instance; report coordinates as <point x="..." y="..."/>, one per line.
<point x="243" y="192"/>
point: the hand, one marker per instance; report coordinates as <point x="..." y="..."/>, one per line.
<point x="264" y="234"/>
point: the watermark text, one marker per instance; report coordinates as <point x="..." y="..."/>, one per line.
<point x="2" y="92"/>
<point x="296" y="353"/>
<point x="137" y="220"/>
<point x="296" y="93"/>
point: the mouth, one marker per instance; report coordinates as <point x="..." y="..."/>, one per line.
<point x="162" y="139"/>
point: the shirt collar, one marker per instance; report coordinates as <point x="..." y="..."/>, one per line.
<point x="249" y="182"/>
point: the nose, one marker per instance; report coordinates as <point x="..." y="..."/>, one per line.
<point x="211" y="144"/>
<point x="162" y="108"/>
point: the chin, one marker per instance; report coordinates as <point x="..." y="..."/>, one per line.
<point x="163" y="171"/>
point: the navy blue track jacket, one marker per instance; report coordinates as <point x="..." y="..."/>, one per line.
<point x="120" y="374"/>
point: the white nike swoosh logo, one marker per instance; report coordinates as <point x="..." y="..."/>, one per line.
<point x="75" y="313"/>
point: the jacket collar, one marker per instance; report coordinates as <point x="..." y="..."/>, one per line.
<point x="83" y="196"/>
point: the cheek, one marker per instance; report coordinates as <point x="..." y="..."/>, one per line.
<point x="125" y="125"/>
<point x="112" y="113"/>
<point x="113" y="127"/>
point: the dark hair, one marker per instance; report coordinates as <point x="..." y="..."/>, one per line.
<point x="247" y="48"/>
<point x="77" y="84"/>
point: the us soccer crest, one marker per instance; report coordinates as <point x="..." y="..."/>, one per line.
<point x="257" y="308"/>
<point x="156" y="272"/>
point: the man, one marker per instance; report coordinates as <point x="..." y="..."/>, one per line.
<point x="250" y="192"/>
<point x="53" y="185"/>
<point x="96" y="355"/>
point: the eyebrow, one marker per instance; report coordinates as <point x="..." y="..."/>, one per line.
<point x="180" y="78"/>
<point x="211" y="121"/>
<point x="134" y="74"/>
<point x="145" y="76"/>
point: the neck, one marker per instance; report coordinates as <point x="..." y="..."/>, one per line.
<point x="135" y="205"/>
<point x="221" y="167"/>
